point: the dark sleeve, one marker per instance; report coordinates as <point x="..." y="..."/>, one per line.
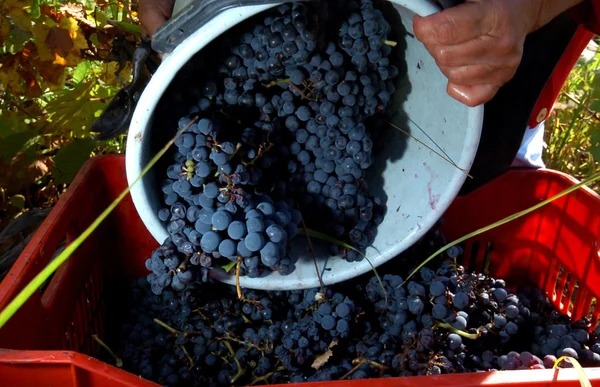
<point x="588" y="14"/>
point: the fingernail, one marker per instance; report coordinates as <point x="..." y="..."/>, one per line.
<point x="460" y="93"/>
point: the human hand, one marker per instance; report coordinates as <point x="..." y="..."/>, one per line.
<point x="153" y="14"/>
<point x="478" y="45"/>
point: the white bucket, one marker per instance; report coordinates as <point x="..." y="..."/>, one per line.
<point x="418" y="183"/>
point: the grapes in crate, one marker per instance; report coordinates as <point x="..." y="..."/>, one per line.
<point x="284" y="135"/>
<point x="442" y="320"/>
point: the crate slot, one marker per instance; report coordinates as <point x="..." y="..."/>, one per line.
<point x="88" y="311"/>
<point x="61" y="247"/>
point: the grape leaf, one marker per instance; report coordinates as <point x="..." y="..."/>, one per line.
<point x="81" y="71"/>
<point x="4" y="30"/>
<point x="595" y="137"/>
<point x="16" y="11"/>
<point x="35" y="9"/>
<point x="127" y="27"/>
<point x="17" y="201"/>
<point x="595" y="106"/>
<point x="40" y="33"/>
<point x="9" y="74"/>
<point x="75" y="33"/>
<point x="228" y="266"/>
<point x="15" y="143"/>
<point x="17" y="39"/>
<point x="59" y="41"/>
<point x="69" y="160"/>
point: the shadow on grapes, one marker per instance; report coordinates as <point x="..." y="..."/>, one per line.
<point x="353" y="213"/>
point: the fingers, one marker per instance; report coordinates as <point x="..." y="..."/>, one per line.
<point x="472" y="95"/>
<point x="453" y="25"/>
<point x="473" y="51"/>
<point x="154" y="13"/>
<point x="478" y="74"/>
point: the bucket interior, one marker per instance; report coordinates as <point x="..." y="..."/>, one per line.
<point x="416" y="183"/>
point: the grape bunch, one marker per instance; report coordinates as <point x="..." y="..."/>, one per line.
<point x="442" y="320"/>
<point x="280" y="135"/>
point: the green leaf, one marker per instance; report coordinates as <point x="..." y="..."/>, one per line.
<point x="17" y="39"/>
<point x="127" y="27"/>
<point x="595" y="106"/>
<point x="17" y="201"/>
<point x="70" y="158"/>
<point x="35" y="9"/>
<point x="595" y="151"/>
<point x="81" y="71"/>
<point x="11" y="125"/>
<point x="228" y="266"/>
<point x="16" y="143"/>
<point x="595" y="137"/>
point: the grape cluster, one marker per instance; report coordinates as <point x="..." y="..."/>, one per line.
<point x="442" y="320"/>
<point x="280" y="131"/>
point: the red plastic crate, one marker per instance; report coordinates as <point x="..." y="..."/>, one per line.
<point x="49" y="339"/>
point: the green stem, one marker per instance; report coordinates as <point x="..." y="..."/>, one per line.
<point x="118" y="360"/>
<point x="390" y="42"/>
<point x="167" y="327"/>
<point x="503" y="221"/>
<point x="472" y="336"/>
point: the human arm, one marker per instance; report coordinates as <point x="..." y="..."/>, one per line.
<point x="478" y="45"/>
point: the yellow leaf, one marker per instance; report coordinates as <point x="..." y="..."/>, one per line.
<point x="70" y="24"/>
<point x="10" y="77"/>
<point x="4" y="30"/>
<point x="40" y="33"/>
<point x="110" y="72"/>
<point x="15" y="10"/>
<point x="59" y="60"/>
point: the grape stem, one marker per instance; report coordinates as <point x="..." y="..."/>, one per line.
<point x="167" y="327"/>
<point x="277" y="82"/>
<point x="472" y="336"/>
<point x="118" y="360"/>
<point x="237" y="148"/>
<point x="237" y="278"/>
<point x="446" y="159"/>
<point x="229" y="338"/>
<point x="192" y="363"/>
<point x="390" y="42"/>
<point x="302" y="93"/>
<point x="312" y="251"/>
<point x="240" y="371"/>
<point x="359" y="362"/>
<point x="265" y="378"/>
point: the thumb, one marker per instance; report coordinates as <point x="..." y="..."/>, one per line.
<point x="472" y="95"/>
<point x="453" y="25"/>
